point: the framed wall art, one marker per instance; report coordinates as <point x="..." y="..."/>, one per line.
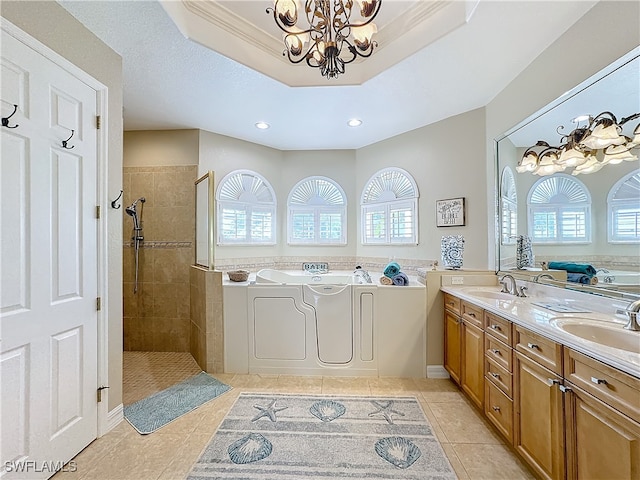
<point x="450" y="212"/>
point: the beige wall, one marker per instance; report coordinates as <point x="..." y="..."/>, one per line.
<point x="160" y="147"/>
<point x="49" y="23"/>
<point x="443" y="167"/>
<point x="578" y="56"/>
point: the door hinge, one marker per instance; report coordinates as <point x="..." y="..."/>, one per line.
<point x="98" y="211"/>
<point x="99" y="303"/>
<point x="98" y="122"/>
<point x="100" y="392"/>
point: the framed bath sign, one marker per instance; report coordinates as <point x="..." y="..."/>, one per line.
<point x="450" y="212"/>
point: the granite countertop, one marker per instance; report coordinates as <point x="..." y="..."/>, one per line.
<point x="544" y="321"/>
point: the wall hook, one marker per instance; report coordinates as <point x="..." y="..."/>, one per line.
<point x="5" y="120"/>
<point x="64" y="142"/>
<point x="114" y="204"/>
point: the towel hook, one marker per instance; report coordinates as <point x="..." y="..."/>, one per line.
<point x="114" y="204"/>
<point x="64" y="142"/>
<point x="5" y="120"/>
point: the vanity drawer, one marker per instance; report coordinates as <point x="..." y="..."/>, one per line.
<point x="499" y="410"/>
<point x="472" y="314"/>
<point x="452" y="303"/>
<point x="615" y="388"/>
<point x="539" y="349"/>
<point x="499" y="375"/>
<point x="498" y="327"/>
<point x="498" y="352"/>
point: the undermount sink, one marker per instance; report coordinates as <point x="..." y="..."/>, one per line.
<point x="491" y="294"/>
<point x="610" y="335"/>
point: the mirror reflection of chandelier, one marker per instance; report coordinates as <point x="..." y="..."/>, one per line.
<point x="329" y="40"/>
<point x="586" y="149"/>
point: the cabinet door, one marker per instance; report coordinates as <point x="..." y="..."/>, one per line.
<point x="473" y="362"/>
<point x="539" y="435"/>
<point x="452" y="344"/>
<point x="601" y="442"/>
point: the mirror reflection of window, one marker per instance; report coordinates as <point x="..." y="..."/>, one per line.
<point x="559" y="210"/>
<point x="508" y="207"/>
<point x="623" y="204"/>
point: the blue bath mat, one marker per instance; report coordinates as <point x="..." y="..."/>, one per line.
<point x="159" y="409"/>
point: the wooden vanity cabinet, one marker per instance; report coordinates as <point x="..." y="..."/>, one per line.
<point x="464" y="347"/>
<point x="602" y="418"/>
<point x="538" y="403"/>
<point x="498" y="373"/>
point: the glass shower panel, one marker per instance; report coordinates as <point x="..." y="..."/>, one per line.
<point x="205" y="197"/>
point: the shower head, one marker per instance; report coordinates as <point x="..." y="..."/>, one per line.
<point x="133" y="212"/>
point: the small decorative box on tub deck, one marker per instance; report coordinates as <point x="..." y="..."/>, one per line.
<point x="238" y="275"/>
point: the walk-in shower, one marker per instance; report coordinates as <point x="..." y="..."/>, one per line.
<point x="137" y="238"/>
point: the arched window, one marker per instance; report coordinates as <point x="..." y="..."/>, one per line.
<point x="623" y="203"/>
<point x="508" y="207"/>
<point x="559" y="210"/>
<point x="246" y="209"/>
<point x="317" y="213"/>
<point x="389" y="206"/>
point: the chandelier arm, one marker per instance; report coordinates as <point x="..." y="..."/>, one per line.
<point x="602" y="116"/>
<point x="629" y="118"/>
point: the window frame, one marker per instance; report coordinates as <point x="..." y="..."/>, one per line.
<point x="385" y="202"/>
<point x="317" y="210"/>
<point x="558" y="209"/>
<point x="508" y="205"/>
<point x="248" y="208"/>
<point x="613" y="205"/>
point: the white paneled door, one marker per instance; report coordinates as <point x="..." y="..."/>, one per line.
<point x="48" y="356"/>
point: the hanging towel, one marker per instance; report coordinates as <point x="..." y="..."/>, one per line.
<point x="573" y="267"/>
<point x="582" y="278"/>
<point x="386" y="280"/>
<point x="391" y="270"/>
<point x="400" y="279"/>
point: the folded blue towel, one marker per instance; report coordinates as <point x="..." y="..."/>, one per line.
<point x="579" y="278"/>
<point x="573" y="267"/>
<point x="400" y="279"/>
<point x="391" y="270"/>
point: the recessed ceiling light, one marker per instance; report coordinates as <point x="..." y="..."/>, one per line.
<point x="262" y="125"/>
<point x="354" y="122"/>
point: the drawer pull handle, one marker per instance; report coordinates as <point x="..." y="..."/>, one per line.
<point x="494" y="375"/>
<point x="496" y="408"/>
<point x="598" y="381"/>
<point x="496" y="327"/>
<point x="532" y="345"/>
<point x="471" y="314"/>
<point x="496" y="351"/>
<point x="450" y="303"/>
<point x="553" y="381"/>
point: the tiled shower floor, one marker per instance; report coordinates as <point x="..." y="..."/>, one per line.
<point x="473" y="448"/>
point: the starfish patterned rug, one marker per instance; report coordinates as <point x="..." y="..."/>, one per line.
<point x="278" y="436"/>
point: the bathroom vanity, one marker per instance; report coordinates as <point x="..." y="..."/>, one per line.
<point x="569" y="405"/>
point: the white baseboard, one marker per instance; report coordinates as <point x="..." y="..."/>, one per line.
<point x="437" y="371"/>
<point x="114" y="417"/>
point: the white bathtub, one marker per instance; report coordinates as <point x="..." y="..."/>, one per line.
<point x="618" y="277"/>
<point x="269" y="275"/>
<point x="298" y="324"/>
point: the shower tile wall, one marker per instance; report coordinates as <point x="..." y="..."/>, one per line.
<point x="157" y="317"/>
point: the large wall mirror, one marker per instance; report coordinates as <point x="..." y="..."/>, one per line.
<point x="587" y="218"/>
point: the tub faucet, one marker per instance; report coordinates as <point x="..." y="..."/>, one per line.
<point x="632" y="313"/>
<point x="362" y="273"/>
<point x="537" y="278"/>
<point x="513" y="288"/>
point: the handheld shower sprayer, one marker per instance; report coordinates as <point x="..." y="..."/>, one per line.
<point x="132" y="211"/>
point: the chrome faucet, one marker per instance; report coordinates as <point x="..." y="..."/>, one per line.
<point x="543" y="275"/>
<point x="513" y="289"/>
<point x="632" y="313"/>
<point x="362" y="273"/>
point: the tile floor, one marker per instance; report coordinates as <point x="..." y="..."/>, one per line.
<point x="473" y="448"/>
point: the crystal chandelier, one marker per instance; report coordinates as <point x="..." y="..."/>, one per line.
<point x="586" y="149"/>
<point x="329" y="40"/>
